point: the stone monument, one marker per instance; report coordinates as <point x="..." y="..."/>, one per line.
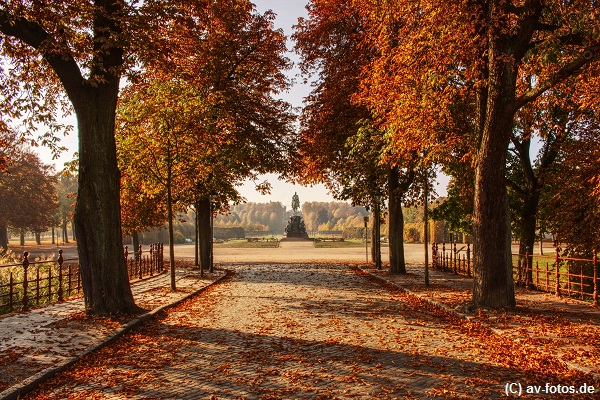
<point x="296" y="227"/>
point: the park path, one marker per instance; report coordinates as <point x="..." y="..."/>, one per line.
<point x="310" y="331"/>
<point x="37" y="343"/>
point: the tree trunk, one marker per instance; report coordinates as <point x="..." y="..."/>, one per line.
<point x="53" y="239"/>
<point x="170" y="222"/>
<point x="97" y="218"/>
<point x="528" y="225"/>
<point x="65" y="234"/>
<point x="4" y="238"/>
<point x="376" y="236"/>
<point x="373" y="233"/>
<point x="38" y="238"/>
<point x="136" y="245"/>
<point x="196" y="237"/>
<point x="492" y="256"/>
<point x="22" y="237"/>
<point x="396" y="224"/>
<point x="204" y="232"/>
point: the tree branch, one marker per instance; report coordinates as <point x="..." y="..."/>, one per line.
<point x="35" y="36"/>
<point x="591" y="54"/>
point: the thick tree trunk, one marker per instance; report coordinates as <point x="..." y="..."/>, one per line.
<point x="53" y="239"/>
<point x="3" y="237"/>
<point x="22" y="237"/>
<point x="38" y="238"/>
<point x="97" y="217"/>
<point x="396" y="224"/>
<point x="492" y="256"/>
<point x="204" y="232"/>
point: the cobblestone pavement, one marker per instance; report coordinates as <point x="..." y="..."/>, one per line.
<point x="300" y="331"/>
<point x="37" y="342"/>
<point x="563" y="328"/>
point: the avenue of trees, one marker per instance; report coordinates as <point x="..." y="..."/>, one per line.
<point x="176" y="105"/>
<point x="402" y="86"/>
<point x="229" y="59"/>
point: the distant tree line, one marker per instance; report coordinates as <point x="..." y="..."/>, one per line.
<point x="33" y="198"/>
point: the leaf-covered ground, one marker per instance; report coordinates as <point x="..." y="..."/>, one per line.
<point x="39" y="339"/>
<point x="565" y="329"/>
<point x="308" y="331"/>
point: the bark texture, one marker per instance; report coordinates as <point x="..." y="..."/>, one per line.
<point x="204" y="232"/>
<point x="396" y="224"/>
<point x="492" y="256"/>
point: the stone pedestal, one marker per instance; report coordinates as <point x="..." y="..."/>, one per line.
<point x="296" y="228"/>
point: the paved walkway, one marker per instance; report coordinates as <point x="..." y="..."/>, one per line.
<point x="37" y="343"/>
<point x="565" y="329"/>
<point x="315" y="331"/>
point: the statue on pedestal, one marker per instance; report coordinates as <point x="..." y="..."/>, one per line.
<point x="295" y="227"/>
<point x="295" y="202"/>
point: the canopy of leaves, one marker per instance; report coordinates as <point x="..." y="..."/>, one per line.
<point x="209" y="107"/>
<point x="329" y="42"/>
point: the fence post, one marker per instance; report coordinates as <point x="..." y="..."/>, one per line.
<point x="11" y="292"/>
<point x="455" y="265"/>
<point x="162" y="256"/>
<point x="141" y="268"/>
<point x="60" y="275"/>
<point x="444" y="265"/>
<point x="25" y="283"/>
<point x="140" y="260"/>
<point x="556" y="267"/>
<point x="433" y="256"/>
<point x="153" y="258"/>
<point x="595" y="260"/>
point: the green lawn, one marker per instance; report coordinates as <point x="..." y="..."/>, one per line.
<point x="247" y="244"/>
<point x="340" y="244"/>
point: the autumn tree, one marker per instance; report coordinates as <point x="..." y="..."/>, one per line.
<point x="570" y="209"/>
<point x="329" y="44"/>
<point x="486" y="48"/>
<point x="238" y="68"/>
<point x="157" y="139"/>
<point x="79" y="48"/>
<point x="27" y="196"/>
<point x="66" y="191"/>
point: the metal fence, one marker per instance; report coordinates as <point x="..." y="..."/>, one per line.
<point x="29" y="284"/>
<point x="564" y="276"/>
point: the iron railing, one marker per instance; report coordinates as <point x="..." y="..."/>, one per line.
<point x="28" y="283"/>
<point x="564" y="276"/>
